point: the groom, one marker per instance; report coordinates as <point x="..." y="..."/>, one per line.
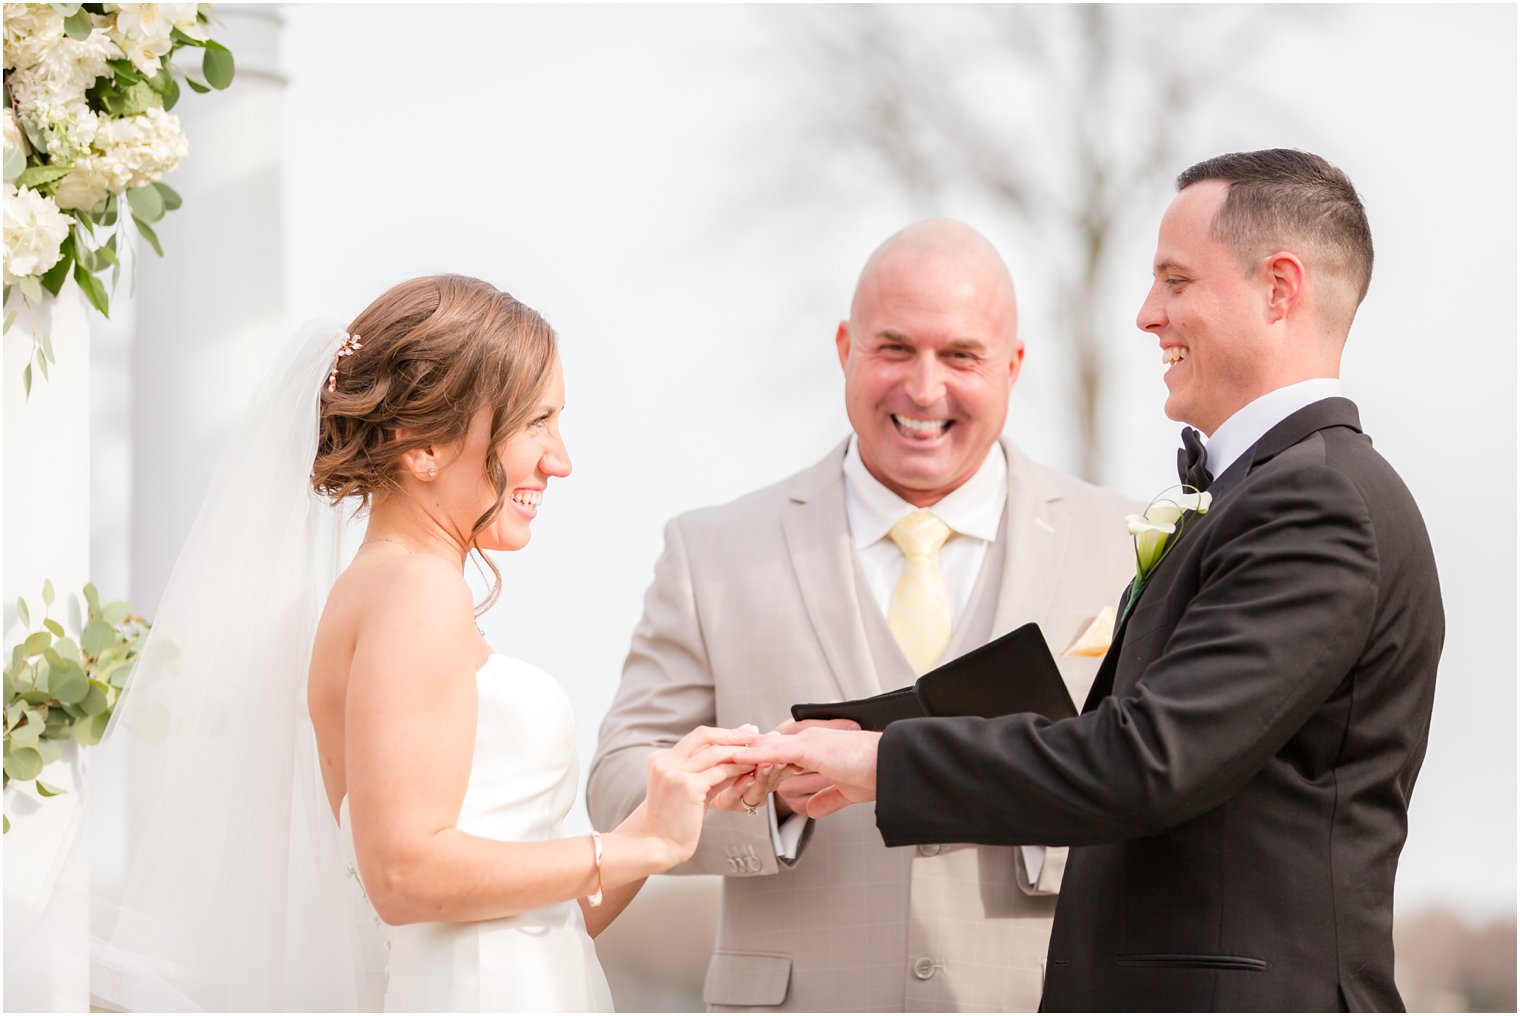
<point x="1236" y="789"/>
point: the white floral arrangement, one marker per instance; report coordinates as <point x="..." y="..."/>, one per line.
<point x="88" y="134"/>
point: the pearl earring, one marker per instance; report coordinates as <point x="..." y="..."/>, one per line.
<point x="432" y="471"/>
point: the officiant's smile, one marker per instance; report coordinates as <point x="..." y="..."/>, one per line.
<point x="930" y="354"/>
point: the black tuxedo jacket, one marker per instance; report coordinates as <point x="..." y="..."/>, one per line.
<point x="1236" y="789"/>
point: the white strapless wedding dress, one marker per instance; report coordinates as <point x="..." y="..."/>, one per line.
<point x="523" y="779"/>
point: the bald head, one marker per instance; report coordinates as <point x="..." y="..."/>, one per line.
<point x="949" y="259"/>
<point x="930" y="353"/>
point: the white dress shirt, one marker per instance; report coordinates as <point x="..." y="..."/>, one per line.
<point x="1251" y="422"/>
<point x="973" y="511"/>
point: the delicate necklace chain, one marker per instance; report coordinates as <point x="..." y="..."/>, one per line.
<point x="387" y="539"/>
<point x="409" y="550"/>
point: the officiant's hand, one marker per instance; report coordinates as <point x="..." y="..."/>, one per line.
<point x="845" y="758"/>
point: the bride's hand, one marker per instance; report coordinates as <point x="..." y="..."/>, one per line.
<point x="681" y="781"/>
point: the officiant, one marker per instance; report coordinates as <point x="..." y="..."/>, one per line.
<point x="922" y="535"/>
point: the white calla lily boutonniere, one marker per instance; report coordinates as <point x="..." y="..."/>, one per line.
<point x="1155" y="532"/>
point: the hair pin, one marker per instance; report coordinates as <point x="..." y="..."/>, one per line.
<point x="350" y="346"/>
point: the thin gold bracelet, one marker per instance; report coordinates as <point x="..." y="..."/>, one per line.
<point x="595" y="898"/>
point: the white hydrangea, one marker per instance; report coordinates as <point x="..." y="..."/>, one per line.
<point x="128" y="152"/>
<point x="30" y="29"/>
<point x="143" y="30"/>
<point x="34" y="231"/>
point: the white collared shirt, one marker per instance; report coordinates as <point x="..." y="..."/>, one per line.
<point x="973" y="512"/>
<point x="1251" y="422"/>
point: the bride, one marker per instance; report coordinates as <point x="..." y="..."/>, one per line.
<point x="410" y="814"/>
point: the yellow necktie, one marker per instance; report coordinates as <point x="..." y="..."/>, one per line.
<point x="919" y="615"/>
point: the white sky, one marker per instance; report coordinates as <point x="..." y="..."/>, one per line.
<point x="601" y="164"/>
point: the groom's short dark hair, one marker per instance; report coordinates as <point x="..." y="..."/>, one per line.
<point x="1281" y="198"/>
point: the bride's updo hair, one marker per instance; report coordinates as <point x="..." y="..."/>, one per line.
<point x="431" y="352"/>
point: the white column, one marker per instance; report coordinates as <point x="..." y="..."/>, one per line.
<point x="45" y="494"/>
<point x="209" y="311"/>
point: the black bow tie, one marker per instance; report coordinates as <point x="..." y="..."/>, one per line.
<point x="1192" y="461"/>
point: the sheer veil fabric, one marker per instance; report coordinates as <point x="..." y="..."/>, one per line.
<point x="235" y="896"/>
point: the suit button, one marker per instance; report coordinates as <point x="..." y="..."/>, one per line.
<point x="752" y="864"/>
<point x="924" y="967"/>
<point x="928" y="849"/>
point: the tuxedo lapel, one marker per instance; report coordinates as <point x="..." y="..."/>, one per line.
<point x="1037" y="533"/>
<point x="1317" y="416"/>
<point x="817" y="534"/>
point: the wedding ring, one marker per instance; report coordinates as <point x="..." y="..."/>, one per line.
<point x="750" y="809"/>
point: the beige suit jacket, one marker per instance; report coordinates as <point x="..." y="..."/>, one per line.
<point x="755" y="606"/>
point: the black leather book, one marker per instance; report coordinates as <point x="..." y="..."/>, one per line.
<point x="1011" y="674"/>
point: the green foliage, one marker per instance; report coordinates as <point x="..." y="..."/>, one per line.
<point x="60" y="688"/>
<point x="124" y="91"/>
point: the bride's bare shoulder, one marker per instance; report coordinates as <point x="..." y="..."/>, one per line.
<point x="386" y="600"/>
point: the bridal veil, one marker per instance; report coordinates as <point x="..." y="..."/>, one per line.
<point x="235" y="895"/>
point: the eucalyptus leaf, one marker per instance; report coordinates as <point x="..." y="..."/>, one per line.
<point x="77" y="25"/>
<point x="23" y="763"/>
<point x="15" y="164"/>
<point x="96" y="702"/>
<point x="36" y="642"/>
<point x="97" y="637"/>
<point x="93" y="290"/>
<point x="217" y="65"/>
<point x="147" y="204"/>
<point x="33" y="133"/>
<point x="31" y="288"/>
<point x="171" y="197"/>
<point x="196" y="86"/>
<point x="90" y="731"/>
<point x="47" y="592"/>
<point x="92" y="598"/>
<point x="25" y="735"/>
<point x="47" y="789"/>
<point x="68" y="649"/>
<point x="67" y="10"/>
<point x="36" y="696"/>
<point x="26" y="381"/>
<point x="170" y="92"/>
<point x="152" y="237"/>
<point x="14" y="712"/>
<point x="115" y="613"/>
<point x="121" y="675"/>
<point x="47" y="345"/>
<point x="43" y="364"/>
<point x="23" y="613"/>
<point x="69" y="685"/>
<point x="54" y="627"/>
<point x="40" y="176"/>
<point x="48" y="750"/>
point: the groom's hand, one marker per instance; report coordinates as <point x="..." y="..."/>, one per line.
<point x="797" y="788"/>
<point x="845" y="758"/>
